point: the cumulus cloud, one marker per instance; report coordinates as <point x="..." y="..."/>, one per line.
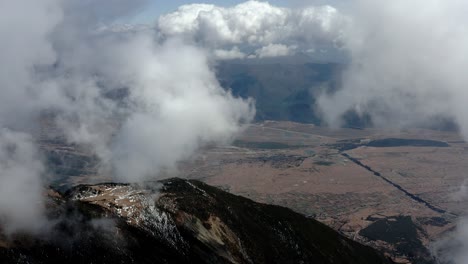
<point x="141" y="104"/>
<point x="255" y="26"/>
<point x="234" y="53"/>
<point x="274" y="50"/>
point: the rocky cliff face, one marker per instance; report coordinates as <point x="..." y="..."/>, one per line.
<point x="177" y="221"/>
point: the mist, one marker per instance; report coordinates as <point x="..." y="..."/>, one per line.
<point x="21" y="179"/>
<point x="407" y="64"/>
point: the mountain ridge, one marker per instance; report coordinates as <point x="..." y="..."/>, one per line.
<point x="179" y="221"/>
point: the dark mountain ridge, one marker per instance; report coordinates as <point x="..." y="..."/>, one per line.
<point x="177" y="221"/>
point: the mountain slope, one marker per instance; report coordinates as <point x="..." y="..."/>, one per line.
<point x="178" y="221"/>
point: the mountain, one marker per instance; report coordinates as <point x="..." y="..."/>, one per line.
<point x="177" y="221"/>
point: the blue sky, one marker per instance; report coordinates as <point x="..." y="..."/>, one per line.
<point x="158" y="7"/>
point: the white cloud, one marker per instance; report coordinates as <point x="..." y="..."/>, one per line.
<point x="274" y="50"/>
<point x="254" y="25"/>
<point x="231" y="54"/>
<point x="406" y="65"/>
<point x="179" y="107"/>
<point x="184" y="20"/>
<point x="454" y="247"/>
<point x="24" y="44"/>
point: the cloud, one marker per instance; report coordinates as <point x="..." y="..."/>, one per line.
<point x="24" y="46"/>
<point x="273" y="50"/>
<point x="21" y="183"/>
<point x="453" y="248"/>
<point x="462" y="194"/>
<point x="172" y="105"/>
<point x="255" y="25"/>
<point x="231" y="54"/>
<point x="178" y="107"/>
<point x="406" y="64"/>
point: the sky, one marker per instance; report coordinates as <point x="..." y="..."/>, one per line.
<point x="156" y="8"/>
